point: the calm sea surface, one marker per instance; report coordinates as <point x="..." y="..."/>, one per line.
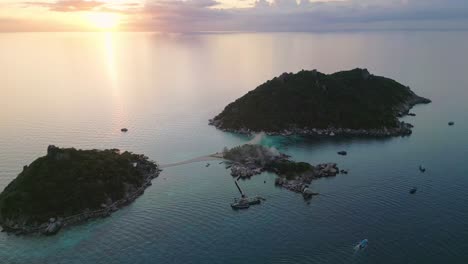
<point x="79" y="89"/>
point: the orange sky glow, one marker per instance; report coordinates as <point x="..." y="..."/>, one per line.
<point x="230" y="15"/>
<point x="96" y="15"/>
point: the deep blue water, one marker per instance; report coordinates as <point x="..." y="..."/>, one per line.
<point x="164" y="88"/>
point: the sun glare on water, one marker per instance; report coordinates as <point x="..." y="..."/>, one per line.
<point x="104" y="21"/>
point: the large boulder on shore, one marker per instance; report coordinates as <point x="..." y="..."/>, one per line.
<point x="53" y="228"/>
<point x="327" y="169"/>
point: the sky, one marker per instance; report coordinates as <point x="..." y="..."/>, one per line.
<point x="232" y="15"/>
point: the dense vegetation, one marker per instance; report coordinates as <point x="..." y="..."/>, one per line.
<point x="68" y="181"/>
<point x="309" y="99"/>
<point x="269" y="159"/>
<point x="255" y="153"/>
<point x="290" y="169"/>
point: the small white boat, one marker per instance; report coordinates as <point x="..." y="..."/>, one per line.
<point x="362" y="245"/>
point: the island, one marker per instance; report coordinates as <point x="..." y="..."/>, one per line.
<point x="69" y="186"/>
<point x="248" y="160"/>
<point x="354" y="103"/>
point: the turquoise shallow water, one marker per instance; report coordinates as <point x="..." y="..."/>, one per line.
<point x="80" y="89"/>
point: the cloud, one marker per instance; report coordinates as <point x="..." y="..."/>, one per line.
<point x="68" y="5"/>
<point x="36" y="25"/>
<point x="167" y="15"/>
<point x="276" y="15"/>
<point x="292" y="15"/>
<point x="84" y="5"/>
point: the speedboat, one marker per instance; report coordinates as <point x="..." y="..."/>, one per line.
<point x="362" y="245"/>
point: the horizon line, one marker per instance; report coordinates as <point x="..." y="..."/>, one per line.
<point x="247" y="31"/>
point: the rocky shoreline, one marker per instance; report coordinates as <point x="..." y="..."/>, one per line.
<point x="404" y="129"/>
<point x="250" y="160"/>
<point x="299" y="184"/>
<point x="150" y="172"/>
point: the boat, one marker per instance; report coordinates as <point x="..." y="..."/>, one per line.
<point x="245" y="202"/>
<point x="362" y="245"/>
<point x="241" y="204"/>
<point x="207" y="165"/>
<point x="451" y="123"/>
<point x="124" y="130"/>
<point x="413" y="190"/>
<point x="254" y="200"/>
<point x="422" y="169"/>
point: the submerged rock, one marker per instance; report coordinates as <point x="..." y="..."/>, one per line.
<point x="308" y="193"/>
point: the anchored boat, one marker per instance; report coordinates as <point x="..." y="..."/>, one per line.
<point x="240" y="204"/>
<point x="422" y="169"/>
<point x="245" y="202"/>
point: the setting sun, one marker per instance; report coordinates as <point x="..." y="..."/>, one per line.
<point x="104" y="21"/>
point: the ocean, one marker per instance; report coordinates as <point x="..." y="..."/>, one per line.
<point x="79" y="90"/>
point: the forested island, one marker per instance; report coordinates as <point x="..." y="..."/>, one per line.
<point x="353" y="102"/>
<point x="68" y="186"/>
